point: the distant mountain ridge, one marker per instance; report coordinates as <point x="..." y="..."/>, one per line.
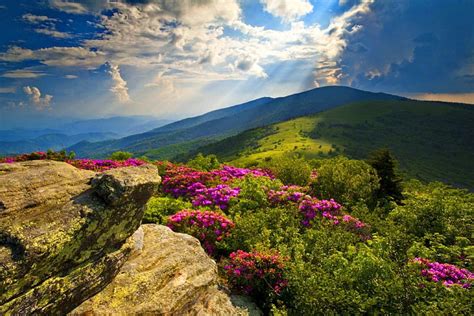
<point x="16" y="141"/>
<point x="232" y="120"/>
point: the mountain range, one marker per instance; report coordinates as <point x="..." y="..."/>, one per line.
<point x="16" y="141"/>
<point x="185" y="135"/>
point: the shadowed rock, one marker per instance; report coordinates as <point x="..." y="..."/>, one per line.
<point x="63" y="231"/>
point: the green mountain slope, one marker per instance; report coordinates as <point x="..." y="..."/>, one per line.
<point x="432" y="140"/>
<point x="230" y="121"/>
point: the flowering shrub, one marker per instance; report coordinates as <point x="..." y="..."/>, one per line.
<point x="88" y="164"/>
<point x="255" y="272"/>
<point x="218" y="196"/>
<point x="209" y="227"/>
<point x="287" y="193"/>
<point x="106" y="164"/>
<point x="310" y="207"/>
<point x="40" y="155"/>
<point x="448" y="274"/>
<point x="227" y="173"/>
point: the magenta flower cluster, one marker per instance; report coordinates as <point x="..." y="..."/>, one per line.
<point x="88" y="164"/>
<point x="206" y="188"/>
<point x="287" y="193"/>
<point x="218" y="196"/>
<point x="37" y="155"/>
<point x="448" y="274"/>
<point x="104" y="164"/>
<point x="209" y="227"/>
<point x="251" y="272"/>
<point x="310" y="207"/>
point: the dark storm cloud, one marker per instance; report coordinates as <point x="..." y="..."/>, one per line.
<point x="413" y="46"/>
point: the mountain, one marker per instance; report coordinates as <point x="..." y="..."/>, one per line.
<point x="50" y="141"/>
<point x="215" y="125"/>
<point x="15" y="141"/>
<point x="432" y="140"/>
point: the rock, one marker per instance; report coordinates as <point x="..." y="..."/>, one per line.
<point x="170" y="275"/>
<point x="63" y="231"/>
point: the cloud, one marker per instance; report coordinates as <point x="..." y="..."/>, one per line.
<point x="71" y="77"/>
<point x="23" y="74"/>
<point x="185" y="41"/>
<point x="410" y="51"/>
<point x="47" y="25"/>
<point x="37" y="19"/>
<point x="53" y="32"/>
<point x="119" y="87"/>
<point x="56" y="56"/>
<point x="287" y="10"/>
<point x="7" y="90"/>
<point x="39" y="102"/>
<point x="68" y="6"/>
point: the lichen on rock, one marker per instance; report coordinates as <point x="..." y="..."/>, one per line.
<point x="63" y="231"/>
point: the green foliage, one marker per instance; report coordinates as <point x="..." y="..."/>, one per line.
<point x="61" y="155"/>
<point x="253" y="193"/>
<point x="290" y="170"/>
<point x="159" y="208"/>
<point x="347" y="181"/>
<point x="204" y="163"/>
<point x="329" y="269"/>
<point x="121" y="155"/>
<point x="390" y="181"/>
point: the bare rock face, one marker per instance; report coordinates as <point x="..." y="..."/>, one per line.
<point x="64" y="231"/>
<point x="167" y="274"/>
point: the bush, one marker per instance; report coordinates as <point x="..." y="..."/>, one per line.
<point x="290" y="170"/>
<point x="209" y="227"/>
<point x="158" y="209"/>
<point x="347" y="181"/>
<point x="204" y="163"/>
<point x="256" y="273"/>
<point x="121" y="155"/>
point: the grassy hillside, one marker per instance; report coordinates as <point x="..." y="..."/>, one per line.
<point x="233" y="120"/>
<point x="432" y="140"/>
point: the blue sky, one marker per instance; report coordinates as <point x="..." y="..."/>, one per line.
<point x="172" y="59"/>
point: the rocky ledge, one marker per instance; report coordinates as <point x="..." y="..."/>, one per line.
<point x="64" y="231"/>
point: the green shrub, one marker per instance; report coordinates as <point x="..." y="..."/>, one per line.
<point x="347" y="181"/>
<point x="159" y="208"/>
<point x="290" y="170"/>
<point x="253" y="193"/>
<point x="121" y="155"/>
<point x="204" y="163"/>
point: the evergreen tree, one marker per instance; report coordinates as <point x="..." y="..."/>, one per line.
<point x="390" y="181"/>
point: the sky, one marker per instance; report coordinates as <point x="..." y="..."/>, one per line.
<point x="63" y="59"/>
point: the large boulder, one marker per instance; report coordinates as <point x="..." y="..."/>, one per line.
<point x="167" y="274"/>
<point x="64" y="231"/>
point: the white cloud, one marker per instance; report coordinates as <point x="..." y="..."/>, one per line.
<point x="36" y="19"/>
<point x="47" y="25"/>
<point x="68" y="6"/>
<point x="23" y="74"/>
<point x="56" y="56"/>
<point x="119" y="87"/>
<point x="53" y="32"/>
<point x="39" y="102"/>
<point x="183" y="43"/>
<point x="71" y="77"/>
<point x="7" y="90"/>
<point x="287" y="10"/>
